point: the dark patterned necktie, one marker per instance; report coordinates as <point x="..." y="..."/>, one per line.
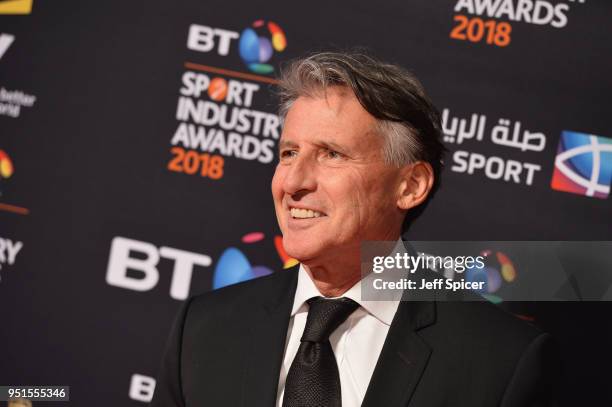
<point x="313" y="379"/>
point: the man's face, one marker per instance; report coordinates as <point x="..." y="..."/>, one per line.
<point x="331" y="188"/>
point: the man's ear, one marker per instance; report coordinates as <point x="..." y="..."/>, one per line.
<point x="416" y="181"/>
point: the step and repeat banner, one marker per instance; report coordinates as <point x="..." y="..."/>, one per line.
<point x="138" y="140"/>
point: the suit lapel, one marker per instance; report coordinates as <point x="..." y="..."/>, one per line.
<point x="405" y="354"/>
<point x="403" y="358"/>
<point x="267" y="344"/>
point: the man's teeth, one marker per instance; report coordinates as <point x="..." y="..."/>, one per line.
<point x="304" y="213"/>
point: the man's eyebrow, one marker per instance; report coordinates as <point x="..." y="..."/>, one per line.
<point x="286" y="144"/>
<point x="330" y="145"/>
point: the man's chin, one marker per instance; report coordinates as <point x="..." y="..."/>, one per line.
<point x="304" y="250"/>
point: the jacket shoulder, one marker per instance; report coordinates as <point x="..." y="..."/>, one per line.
<point x="244" y="295"/>
<point x="482" y="319"/>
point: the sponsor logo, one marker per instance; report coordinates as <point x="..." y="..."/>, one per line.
<point x="141" y="388"/>
<point x="6" y="171"/>
<point x="509" y="135"/>
<point x="202" y="38"/>
<point x="492" y="21"/>
<point x="15" y="6"/>
<point x="133" y="265"/>
<point x="6" y="166"/>
<point x="5" y="42"/>
<point x="497" y="270"/>
<point x="583" y="165"/>
<point x="121" y="262"/>
<point x="216" y="120"/>
<point x="9" y="250"/>
<point x="216" y="113"/>
<point x="11" y="102"/>
<point x="258" y="43"/>
<point x="234" y="267"/>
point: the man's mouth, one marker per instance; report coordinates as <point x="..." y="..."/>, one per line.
<point x="298" y="213"/>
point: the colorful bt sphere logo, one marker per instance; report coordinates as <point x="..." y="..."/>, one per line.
<point x="6" y="165"/>
<point x="258" y="43"/>
<point x="498" y="269"/>
<point x="234" y="267"/>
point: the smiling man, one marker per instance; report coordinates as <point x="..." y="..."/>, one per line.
<point x="360" y="151"/>
<point x="334" y="186"/>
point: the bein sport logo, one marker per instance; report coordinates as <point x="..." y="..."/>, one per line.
<point x="583" y="165"/>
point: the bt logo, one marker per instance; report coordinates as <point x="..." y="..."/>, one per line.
<point x="121" y="260"/>
<point x="583" y="165"/>
<point x="234" y="266"/>
<point x="257" y="43"/>
<point x="204" y="39"/>
<point x="133" y="264"/>
<point x="498" y="269"/>
<point x="142" y="387"/>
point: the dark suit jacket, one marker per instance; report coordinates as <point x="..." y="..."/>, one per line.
<point x="227" y="347"/>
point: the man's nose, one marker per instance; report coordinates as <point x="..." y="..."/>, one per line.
<point x="301" y="176"/>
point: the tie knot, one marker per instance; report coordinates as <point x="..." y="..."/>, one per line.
<point x="324" y="316"/>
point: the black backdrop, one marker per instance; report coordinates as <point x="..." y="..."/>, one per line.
<point x="91" y="161"/>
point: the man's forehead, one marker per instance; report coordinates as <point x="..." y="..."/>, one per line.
<point x="324" y="142"/>
<point x="353" y="141"/>
<point x="334" y="119"/>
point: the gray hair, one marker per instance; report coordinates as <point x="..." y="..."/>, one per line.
<point x="406" y="117"/>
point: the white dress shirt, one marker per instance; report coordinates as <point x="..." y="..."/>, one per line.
<point x="357" y="342"/>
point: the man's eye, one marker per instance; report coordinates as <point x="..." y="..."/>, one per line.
<point x="334" y="154"/>
<point x="288" y="153"/>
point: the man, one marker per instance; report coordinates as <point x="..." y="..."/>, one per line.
<point x="360" y="150"/>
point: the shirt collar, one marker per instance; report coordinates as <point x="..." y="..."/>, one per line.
<point x="383" y="310"/>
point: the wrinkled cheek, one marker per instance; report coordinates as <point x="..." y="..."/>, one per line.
<point x="277" y="196"/>
<point x="354" y="220"/>
<point x="381" y="195"/>
<point x="277" y="190"/>
<point x="276" y="184"/>
<point x="374" y="207"/>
